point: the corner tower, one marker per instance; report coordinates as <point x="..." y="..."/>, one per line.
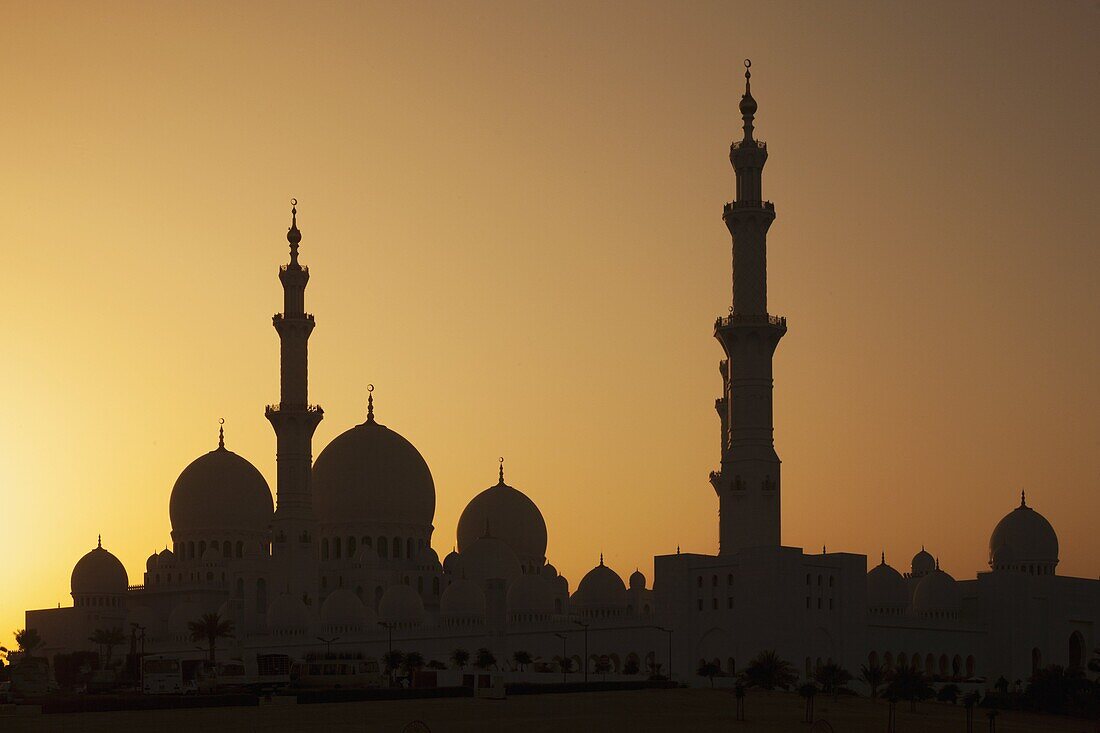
<point x="294" y="421"/>
<point x="748" y="483"/>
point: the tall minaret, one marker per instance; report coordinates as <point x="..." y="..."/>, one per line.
<point x="294" y="421"/>
<point x="748" y="484"/>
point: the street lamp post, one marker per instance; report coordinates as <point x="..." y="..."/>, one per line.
<point x="669" y="632"/>
<point x="563" y="637"/>
<point x="585" y="627"/>
<point x="140" y="630"/>
<point x="328" y="644"/>
<point x="389" y="644"/>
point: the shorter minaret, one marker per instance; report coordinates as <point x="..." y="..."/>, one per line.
<point x="294" y="421"/>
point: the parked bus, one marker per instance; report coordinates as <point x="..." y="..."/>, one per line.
<point x="333" y="673"/>
<point x="162" y="676"/>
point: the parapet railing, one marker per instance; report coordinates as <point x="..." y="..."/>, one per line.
<point x="294" y="408"/>
<point x="734" y="205"/>
<point x="734" y="319"/>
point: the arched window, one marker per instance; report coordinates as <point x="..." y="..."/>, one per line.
<point x="970" y="666"/>
<point x="731" y="666"/>
<point x="714" y="581"/>
<point x="368" y="542"/>
<point x="1076" y="651"/>
<point x="261" y="596"/>
<point x="336" y="547"/>
<point x="435" y="586"/>
<point x="831" y="579"/>
<point x="396" y="548"/>
<point x="202" y="548"/>
<point x="383" y="547"/>
<point x="227" y="549"/>
<point x="324" y="548"/>
<point x="351" y="547"/>
<point x="240" y="549"/>
<point x="819" y="580"/>
<point x="209" y="577"/>
<point x="956" y="665"/>
<point x="807" y="579"/>
<point x="729" y="579"/>
<point x="191" y="550"/>
<point x="409" y="545"/>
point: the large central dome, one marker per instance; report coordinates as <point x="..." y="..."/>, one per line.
<point x="370" y="474"/>
<point x="220" y="491"/>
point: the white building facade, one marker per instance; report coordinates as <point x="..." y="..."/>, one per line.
<point x="345" y="552"/>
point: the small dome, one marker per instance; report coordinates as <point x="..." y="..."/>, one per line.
<point x="401" y="604"/>
<point x="152" y="563"/>
<point x="1023" y="540"/>
<point x="462" y="599"/>
<point x="182" y="615"/>
<point x="165" y="558"/>
<point x="451" y="563"/>
<point x="562" y="584"/>
<point x="99" y="573"/>
<point x="428" y="560"/>
<point x="508" y="514"/>
<point x="886" y="588"/>
<point x="366" y="558"/>
<point x="369" y="475"/>
<point x="489" y="558"/>
<point x="343" y="608"/>
<point x="531" y="594"/>
<point x="288" y="613"/>
<point x="936" y="592"/>
<point x="223" y="492"/>
<point x="637" y="580"/>
<point x="548" y="571"/>
<point x="600" y="588"/>
<point x="923" y="563"/>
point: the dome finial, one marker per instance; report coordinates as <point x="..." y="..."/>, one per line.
<point x="601" y="559"/>
<point x="501" y="471"/>
<point x="370" y="403"/>
<point x="1023" y="499"/>
<point x="99" y="542"/>
<point x="292" y="234"/>
<point x="883" y="557"/>
<point x="221" y="433"/>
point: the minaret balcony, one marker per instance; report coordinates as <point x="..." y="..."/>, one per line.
<point x="738" y="144"/>
<point x="298" y="317"/>
<point x="745" y="319"/>
<point x="733" y="206"/>
<point x="273" y="409"/>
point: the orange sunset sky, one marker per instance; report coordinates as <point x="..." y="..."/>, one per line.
<point x="512" y="217"/>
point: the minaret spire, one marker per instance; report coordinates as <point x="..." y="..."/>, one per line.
<point x="294" y="421"/>
<point x="370" y="403"/>
<point x="501" y="481"/>
<point x="748" y="104"/>
<point x="221" y="433"/>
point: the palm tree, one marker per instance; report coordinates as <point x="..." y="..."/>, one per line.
<point x="767" y="670"/>
<point x="413" y="663"/>
<point x="107" y="640"/>
<point x="739" y="694"/>
<point x="209" y="628"/>
<point x="832" y="678"/>
<point x="948" y="693"/>
<point x="28" y="640"/>
<point x="709" y="670"/>
<point x="910" y="684"/>
<point x="808" y="691"/>
<point x="460" y="657"/>
<point x="566" y="664"/>
<point x="873" y="675"/>
<point x="392" y="660"/>
<point x="521" y="659"/>
<point x="484" y="659"/>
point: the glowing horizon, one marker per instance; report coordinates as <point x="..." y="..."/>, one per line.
<point x="512" y="223"/>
